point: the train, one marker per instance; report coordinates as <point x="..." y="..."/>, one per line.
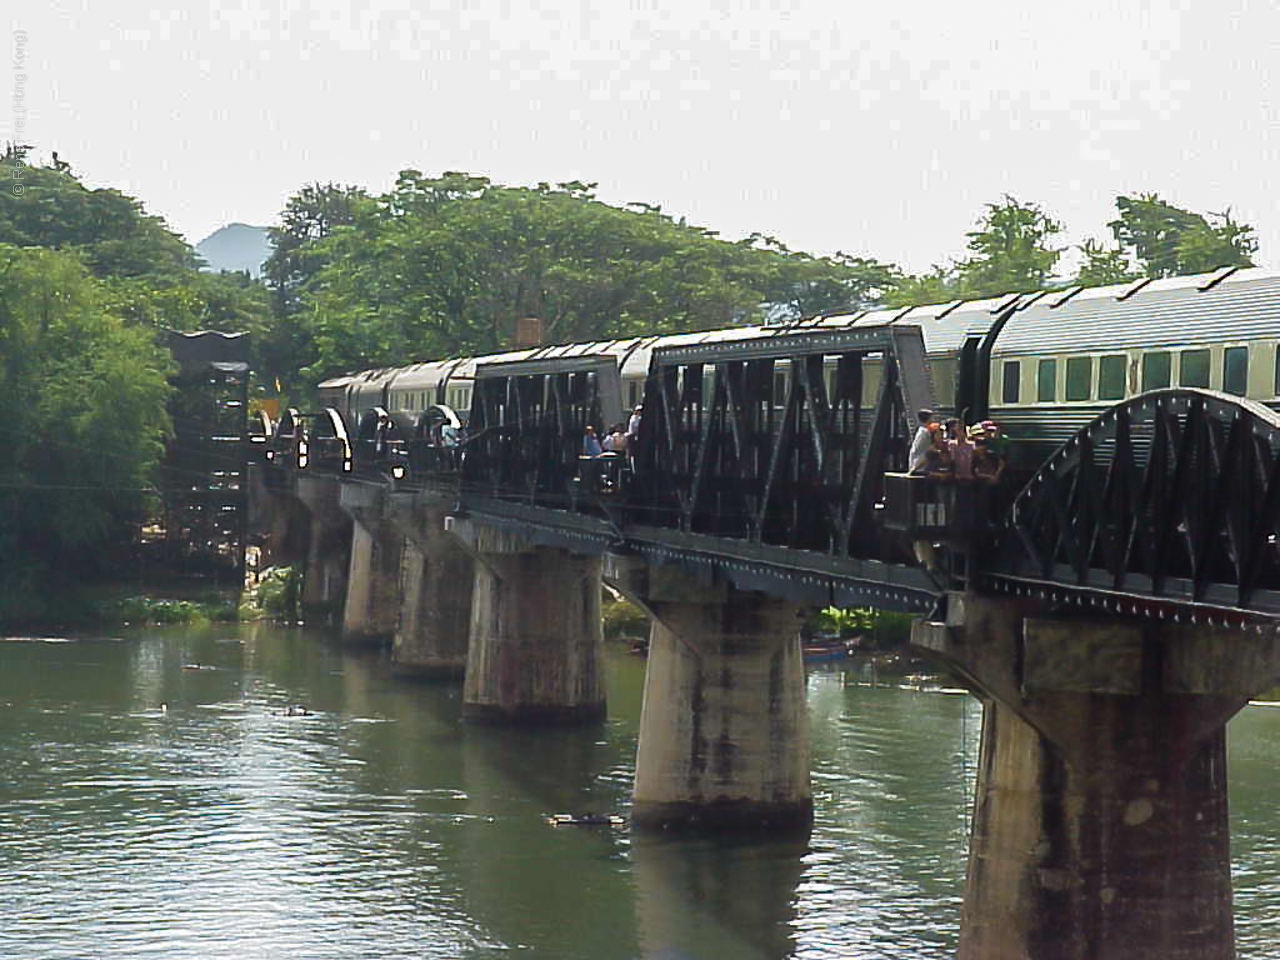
<point x="1042" y="364"/>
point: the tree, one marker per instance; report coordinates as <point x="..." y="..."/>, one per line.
<point x="1103" y="265"/>
<point x="110" y="229"/>
<point x="309" y="216"/>
<point x="1169" y="241"/>
<point x="448" y="265"/>
<point x="1009" y="250"/>
<point x="84" y="425"/>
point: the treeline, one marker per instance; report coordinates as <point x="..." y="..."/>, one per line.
<point x="435" y="266"/>
<point x="86" y="278"/>
<point x="447" y="265"/>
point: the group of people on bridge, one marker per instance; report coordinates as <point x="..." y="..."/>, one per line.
<point x="947" y="450"/>
<point x="617" y="448"/>
<point x="618" y="440"/>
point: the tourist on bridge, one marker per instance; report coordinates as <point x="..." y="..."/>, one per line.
<point x="615" y="441"/>
<point x="961" y="450"/>
<point x="920" y="443"/>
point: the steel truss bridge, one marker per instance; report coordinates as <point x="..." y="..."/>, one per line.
<point x="1167" y="506"/>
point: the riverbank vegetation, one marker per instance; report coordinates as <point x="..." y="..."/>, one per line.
<point x="434" y="266"/>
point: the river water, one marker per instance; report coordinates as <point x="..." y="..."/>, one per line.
<point x="158" y="799"/>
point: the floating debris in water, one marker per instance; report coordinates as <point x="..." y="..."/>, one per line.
<point x="585" y="820"/>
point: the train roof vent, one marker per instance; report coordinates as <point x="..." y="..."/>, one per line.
<point x="1006" y="303"/>
<point x="1133" y="288"/>
<point x="1032" y="298"/>
<point x="1217" y="278"/>
<point x="1063" y="296"/>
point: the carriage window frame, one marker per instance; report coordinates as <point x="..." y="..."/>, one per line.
<point x="1047" y="380"/>
<point x="1072" y="391"/>
<point x="1148" y="380"/>
<point x="1238" y="376"/>
<point x="1197" y="354"/>
<point x="1112" y="378"/>
<point x="1011" y="381"/>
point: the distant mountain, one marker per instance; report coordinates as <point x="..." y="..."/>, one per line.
<point x="237" y="246"/>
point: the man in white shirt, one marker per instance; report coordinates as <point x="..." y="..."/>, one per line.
<point x="920" y="443"/>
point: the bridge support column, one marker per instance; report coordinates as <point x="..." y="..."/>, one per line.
<point x="724" y="728"/>
<point x="436" y="578"/>
<point x="535" y="653"/>
<point x="372" y="604"/>
<point x="324" y="576"/>
<point x="1101" y="826"/>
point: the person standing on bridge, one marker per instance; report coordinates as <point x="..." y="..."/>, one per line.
<point x="920" y="443"/>
<point x="590" y="442"/>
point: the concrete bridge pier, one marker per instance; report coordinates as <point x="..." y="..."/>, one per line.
<point x="724" y="727"/>
<point x="436" y="579"/>
<point x="324" y="574"/>
<point x="535" y="652"/>
<point x="278" y="521"/>
<point x="372" y="604"/>
<point x="1101" y="828"/>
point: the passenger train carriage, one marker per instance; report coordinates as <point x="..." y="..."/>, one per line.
<point x="1041" y="364"/>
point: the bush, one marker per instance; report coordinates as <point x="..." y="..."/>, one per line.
<point x="277" y="593"/>
<point x="624" y="619"/>
<point x="143" y="609"/>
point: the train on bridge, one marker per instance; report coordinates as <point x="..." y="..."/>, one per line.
<point x="1120" y="402"/>
<point x="1043" y="364"/>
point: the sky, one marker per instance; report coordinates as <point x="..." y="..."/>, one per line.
<point x="880" y="129"/>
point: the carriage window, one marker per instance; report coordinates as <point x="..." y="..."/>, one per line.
<point x="1156" y="371"/>
<point x="1235" y="370"/>
<point x="1012" y="380"/>
<point x="779" y="388"/>
<point x="1193" y="368"/>
<point x="1047" y="381"/>
<point x="1079" y="378"/>
<point x="1276" y="385"/>
<point x="1111" y="371"/>
<point x="633" y="394"/>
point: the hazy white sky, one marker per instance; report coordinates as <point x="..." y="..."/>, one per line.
<point x="877" y="128"/>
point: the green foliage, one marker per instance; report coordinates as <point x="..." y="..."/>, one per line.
<point x="846" y="623"/>
<point x="143" y="609"/>
<point x="85" y="420"/>
<point x="1009" y="252"/>
<point x="1103" y="265"/>
<point x="276" y="594"/>
<point x="1170" y="241"/>
<point x="110" y="229"/>
<point x="621" y="618"/>
<point x="882" y="629"/>
<point x="447" y="266"/>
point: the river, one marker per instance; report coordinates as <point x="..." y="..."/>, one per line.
<point x="159" y="798"/>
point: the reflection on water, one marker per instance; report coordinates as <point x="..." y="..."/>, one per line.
<point x="159" y="797"/>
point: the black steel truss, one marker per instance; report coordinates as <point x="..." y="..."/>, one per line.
<point x="526" y="433"/>
<point x="1172" y="496"/>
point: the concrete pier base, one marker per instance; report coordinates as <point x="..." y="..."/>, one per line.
<point x="436" y="579"/>
<point x="324" y="576"/>
<point x="535" y="653"/>
<point x="1124" y="853"/>
<point x="724" y="736"/>
<point x="372" y="605"/>
<point x="1101" y="829"/>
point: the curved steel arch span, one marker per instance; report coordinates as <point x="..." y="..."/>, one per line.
<point x="1171" y="497"/>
